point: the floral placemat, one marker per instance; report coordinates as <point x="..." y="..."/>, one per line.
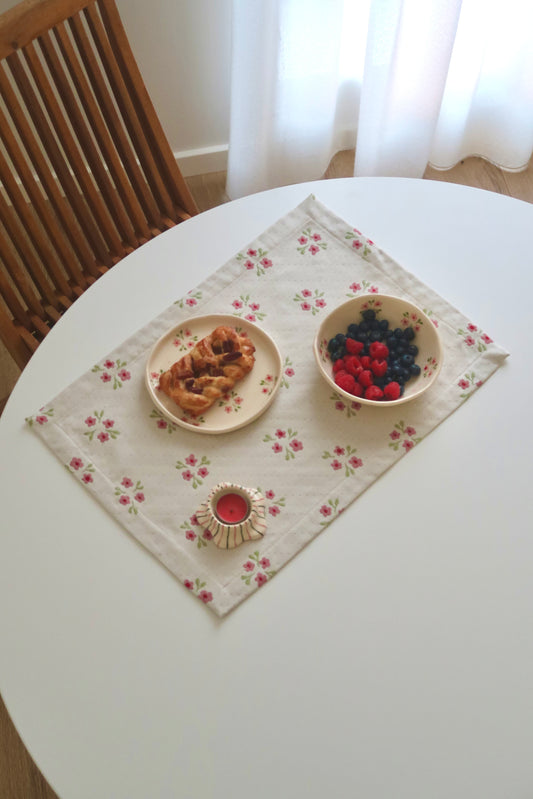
<point x="310" y="454"/>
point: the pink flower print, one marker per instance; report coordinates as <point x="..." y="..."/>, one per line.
<point x="188" y="584"/>
<point x="274" y="510"/>
<point x="395" y="435"/>
<point x="108" y="423"/>
<point x="277" y="447"/>
<point x="369" y="241"/>
<point x="76" y="463"/>
<point x="269" y="494"/>
<point x="410" y="431"/>
<point x="435" y="322"/>
<point x="190" y="536"/>
<point x="139" y="496"/>
<point x="87" y="478"/>
<point x="237" y="304"/>
<point x="124" y="499"/>
<point x="373" y="290"/>
<point x="269" y="378"/>
<point x="264" y="563"/>
<point x="41" y="419"/>
<point x="325" y="510"/>
<point x="313" y="249"/>
<point x="90" y="421"/>
<point x="339" y="405"/>
<point x="194" y="519"/>
<point x="126" y="482"/>
<point x="320" y="303"/>
<point x="266" y="262"/>
<point x="109" y="364"/>
<point x="463" y="383"/>
<point x="187" y="474"/>
<point x="407" y="445"/>
<point x="249" y="264"/>
<point x="206" y="596"/>
<point x="339" y="451"/>
<point x="355" y="287"/>
<point x="105" y="377"/>
<point x="227" y="409"/>
<point x="355" y="462"/>
<point x="260" y="578"/>
<point x="289" y="372"/>
<point x="307" y="293"/>
<point x="124" y="374"/>
<point x="162" y="424"/>
<point x="254" y="306"/>
<point x="280" y="433"/>
<point x="470" y="341"/>
<point x="316" y="236"/>
<point x="191" y="460"/>
<point x="103" y="437"/>
<point x="248" y="566"/>
<point x="190" y="301"/>
<point x="302" y="240"/>
<point x="486" y="339"/>
<point x="207" y="534"/>
<point x="472" y="327"/>
<point x="336" y="465"/>
<point x="238" y="400"/>
<point x="479" y="383"/>
<point x="250" y="317"/>
<point x="252" y="253"/>
<point x="296" y="445"/>
<point x="305" y="306"/>
<point x="356" y="243"/>
<point x="203" y="472"/>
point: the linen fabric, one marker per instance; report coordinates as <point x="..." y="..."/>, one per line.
<point x="310" y="453"/>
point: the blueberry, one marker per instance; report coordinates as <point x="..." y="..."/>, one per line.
<point x="398" y="333"/>
<point x="375" y="335"/>
<point x="414" y="369"/>
<point x="340" y="339"/>
<point x="364" y="327"/>
<point x="332" y="344"/>
<point x="412" y="349"/>
<point x="353" y="329"/>
<point x="409" y="333"/>
<point x="368" y="315"/>
<point x="384" y="324"/>
<point x="407" y="360"/>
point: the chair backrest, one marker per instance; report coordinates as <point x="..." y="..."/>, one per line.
<point x="86" y="171"/>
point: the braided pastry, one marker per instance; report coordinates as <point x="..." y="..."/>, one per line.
<point x="209" y="370"/>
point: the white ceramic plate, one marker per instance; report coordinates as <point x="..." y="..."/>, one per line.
<point x="249" y="399"/>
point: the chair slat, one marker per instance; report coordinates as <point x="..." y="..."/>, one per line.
<point x="128" y="112"/>
<point x="46" y="178"/>
<point x="111" y="161"/>
<point x="96" y="223"/>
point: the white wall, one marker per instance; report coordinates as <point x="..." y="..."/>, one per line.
<point x="183" y="51"/>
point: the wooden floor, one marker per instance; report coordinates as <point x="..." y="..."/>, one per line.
<point x="19" y="778"/>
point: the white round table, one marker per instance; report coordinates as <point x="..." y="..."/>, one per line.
<point x="406" y="673"/>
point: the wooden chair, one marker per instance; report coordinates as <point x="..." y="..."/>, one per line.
<point x="86" y="171"/>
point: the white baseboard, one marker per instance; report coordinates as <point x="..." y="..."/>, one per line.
<point x="202" y="160"/>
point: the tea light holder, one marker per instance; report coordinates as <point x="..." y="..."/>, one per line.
<point x="233" y="514"/>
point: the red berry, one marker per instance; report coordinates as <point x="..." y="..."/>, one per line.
<point x="339" y="364"/>
<point x="392" y="391"/>
<point x="354" y="347"/>
<point x="378" y="350"/>
<point x="345" y="381"/>
<point x="379" y="367"/>
<point x="365" y="361"/>
<point x="358" y="390"/>
<point x="366" y="378"/>
<point x="373" y="393"/>
<point x="352" y="365"/>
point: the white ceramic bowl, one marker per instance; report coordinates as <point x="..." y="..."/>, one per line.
<point x="400" y="314"/>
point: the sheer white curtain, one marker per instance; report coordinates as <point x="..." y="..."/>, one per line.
<point x="406" y="82"/>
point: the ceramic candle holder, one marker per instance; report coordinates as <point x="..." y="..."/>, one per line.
<point x="233" y="514"/>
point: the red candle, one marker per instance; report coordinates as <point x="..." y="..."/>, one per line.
<point x="232" y="508"/>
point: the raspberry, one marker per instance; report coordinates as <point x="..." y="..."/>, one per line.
<point x="352" y="364"/>
<point x="392" y="391"/>
<point x="339" y="364"/>
<point x="373" y="393"/>
<point x="378" y="350"/>
<point x="345" y="381"/>
<point x="365" y="361"/>
<point x="379" y="368"/>
<point x="354" y="347"/>
<point x="366" y="378"/>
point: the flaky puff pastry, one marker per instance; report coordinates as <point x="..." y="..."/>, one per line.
<point x="209" y="370"/>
